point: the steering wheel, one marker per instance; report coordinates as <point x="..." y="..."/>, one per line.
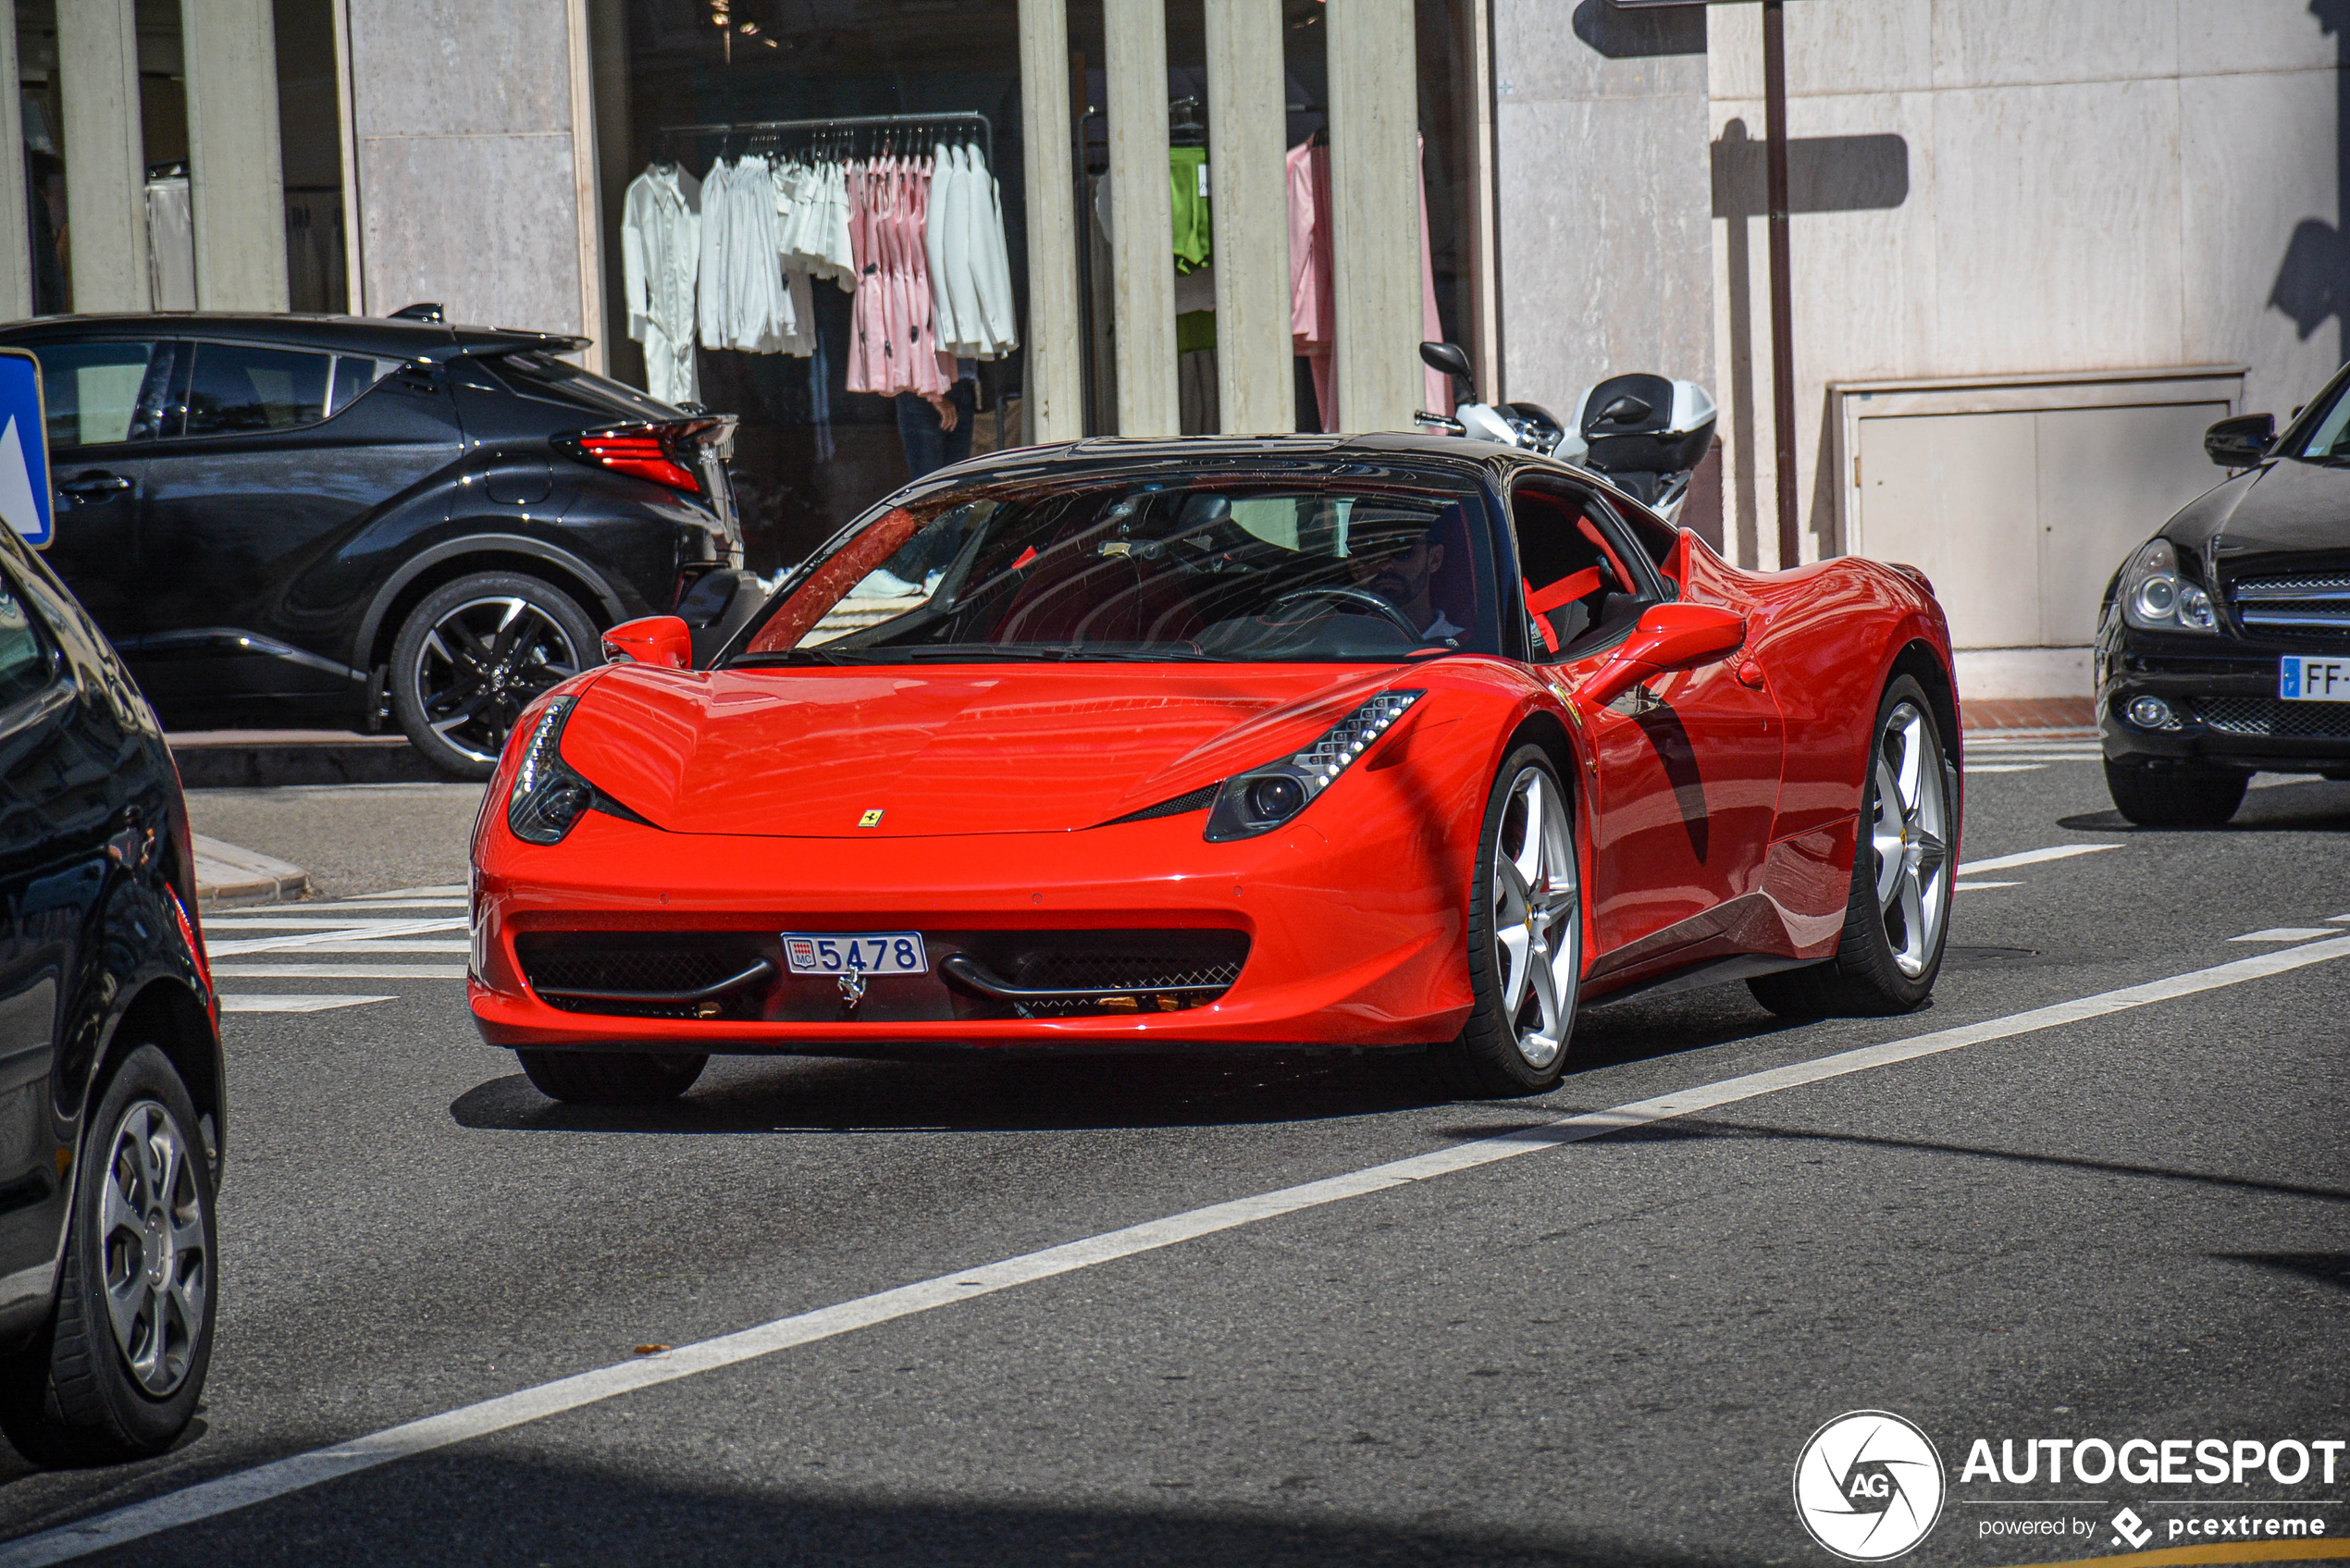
<point x="1351" y="596"/>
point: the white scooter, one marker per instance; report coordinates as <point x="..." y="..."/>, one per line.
<point x="1646" y="434"/>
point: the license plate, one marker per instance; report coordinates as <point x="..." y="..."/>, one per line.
<point x="2303" y="679"/>
<point x="854" y="952"/>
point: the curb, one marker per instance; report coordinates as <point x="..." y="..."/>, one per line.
<point x="228" y="875"/>
<point x="264" y="758"/>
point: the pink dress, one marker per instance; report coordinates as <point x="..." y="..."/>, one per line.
<point x="869" y="345"/>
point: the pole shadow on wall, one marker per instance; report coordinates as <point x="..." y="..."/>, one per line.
<point x="2313" y="281"/>
<point x="1825" y="174"/>
<point x="1634" y="35"/>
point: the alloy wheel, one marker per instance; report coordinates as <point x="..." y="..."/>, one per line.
<point x="482" y="663"/>
<point x="158" y="1270"/>
<point x="1910" y="836"/>
<point x="1537" y="918"/>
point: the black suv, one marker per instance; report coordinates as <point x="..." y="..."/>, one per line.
<point x="343" y="519"/>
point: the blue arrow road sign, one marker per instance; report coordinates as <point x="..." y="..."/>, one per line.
<point x="25" y="501"/>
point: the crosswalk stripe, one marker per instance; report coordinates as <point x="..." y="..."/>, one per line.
<point x="341" y="932"/>
<point x="339" y="971"/>
<point x="293" y="1002"/>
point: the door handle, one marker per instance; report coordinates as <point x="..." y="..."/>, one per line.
<point x="90" y="487"/>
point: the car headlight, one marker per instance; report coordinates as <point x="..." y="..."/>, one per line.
<point x="549" y="795"/>
<point x="1263" y="799"/>
<point x="2155" y="597"/>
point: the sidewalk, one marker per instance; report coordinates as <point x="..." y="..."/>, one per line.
<point x="2043" y="714"/>
<point x="226" y="875"/>
<point x="268" y="759"/>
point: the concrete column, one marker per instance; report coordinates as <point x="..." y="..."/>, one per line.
<point x="1142" y="217"/>
<point x="236" y="180"/>
<point x="1375" y="194"/>
<point x="16" y="243"/>
<point x="1248" y="129"/>
<point x="1053" y="393"/>
<point x="587" y="197"/>
<point x="106" y="164"/>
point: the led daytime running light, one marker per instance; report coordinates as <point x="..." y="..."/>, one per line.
<point x="549" y="796"/>
<point x="1328" y="757"/>
<point x="1264" y="798"/>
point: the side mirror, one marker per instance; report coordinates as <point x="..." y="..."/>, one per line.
<point x="2240" y="442"/>
<point x="1448" y="358"/>
<point x="664" y="641"/>
<point x="1670" y="636"/>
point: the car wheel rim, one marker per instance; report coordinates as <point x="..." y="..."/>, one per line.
<point x="1537" y="918"/>
<point x="1911" y="837"/>
<point x="158" y="1270"/>
<point x="482" y="663"/>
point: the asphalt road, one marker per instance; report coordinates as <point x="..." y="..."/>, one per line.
<point x="1610" y="1351"/>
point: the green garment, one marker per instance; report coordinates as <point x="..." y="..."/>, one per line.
<point x="1195" y="330"/>
<point x="1187" y="172"/>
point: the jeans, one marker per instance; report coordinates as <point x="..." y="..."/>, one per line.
<point x="928" y="447"/>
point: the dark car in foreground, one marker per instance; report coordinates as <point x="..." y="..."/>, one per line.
<point x="286" y="519"/>
<point x="112" y="1102"/>
<point x="2223" y="648"/>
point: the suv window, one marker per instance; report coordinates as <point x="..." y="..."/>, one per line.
<point x="240" y="388"/>
<point x="97" y="393"/>
<point x="25" y="661"/>
<point x="1583" y="588"/>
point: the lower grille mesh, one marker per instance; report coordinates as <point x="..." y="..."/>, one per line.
<point x="637" y="961"/>
<point x="2272" y="716"/>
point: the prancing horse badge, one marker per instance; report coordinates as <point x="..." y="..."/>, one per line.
<point x="870" y="818"/>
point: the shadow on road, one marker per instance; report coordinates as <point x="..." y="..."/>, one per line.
<point x="2326" y="1268"/>
<point x="2303" y="806"/>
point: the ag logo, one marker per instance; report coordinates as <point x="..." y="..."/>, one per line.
<point x="1868" y="1486"/>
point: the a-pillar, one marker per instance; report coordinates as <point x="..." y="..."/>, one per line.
<point x="1142" y="217"/>
<point x="105" y="163"/>
<point x="1053" y="394"/>
<point x="1375" y="191"/>
<point x="1256" y="384"/>
<point x="236" y="181"/>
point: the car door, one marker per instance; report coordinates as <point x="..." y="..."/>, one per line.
<point x="105" y="397"/>
<point x="52" y="861"/>
<point x="280" y="455"/>
<point x="1686" y="765"/>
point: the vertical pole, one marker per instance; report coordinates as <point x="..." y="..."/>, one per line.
<point x="15" y="239"/>
<point x="355" y="260"/>
<point x="1375" y="189"/>
<point x="236" y="176"/>
<point x="588" y="195"/>
<point x="1142" y="213"/>
<point x="1782" y="289"/>
<point x="1485" y="177"/>
<point x="106" y="155"/>
<point x="1052" y="398"/>
<point x="1256" y="387"/>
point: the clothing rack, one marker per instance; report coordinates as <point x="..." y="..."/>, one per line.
<point x="850" y="123"/>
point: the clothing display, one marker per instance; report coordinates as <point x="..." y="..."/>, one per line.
<point x="746" y="302"/>
<point x="1313" y="291"/>
<point x="1194" y="235"/>
<point x="659" y="263"/>
<point x="171" y="243"/>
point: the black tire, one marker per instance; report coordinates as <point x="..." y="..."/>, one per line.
<point x="612" y="1078"/>
<point x="483" y="685"/>
<point x="1491" y="1059"/>
<point x="1869" y="977"/>
<point x="2155" y="800"/>
<point x="72" y="1396"/>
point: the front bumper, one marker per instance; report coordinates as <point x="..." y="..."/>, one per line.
<point x="2223" y="692"/>
<point x="1353" y="945"/>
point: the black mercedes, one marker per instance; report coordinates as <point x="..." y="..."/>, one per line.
<point x="2223" y="647"/>
<point x="289" y="519"/>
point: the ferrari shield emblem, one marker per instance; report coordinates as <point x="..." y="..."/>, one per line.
<point x="870" y="818"/>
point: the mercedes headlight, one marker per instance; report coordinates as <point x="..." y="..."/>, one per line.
<point x="548" y="796"/>
<point x="2155" y="597"/>
<point x="1263" y="799"/>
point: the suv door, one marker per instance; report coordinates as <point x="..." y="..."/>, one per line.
<point x="1688" y="781"/>
<point x="106" y="398"/>
<point x="276" y="459"/>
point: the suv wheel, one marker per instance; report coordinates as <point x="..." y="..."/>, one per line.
<point x="117" y="1371"/>
<point x="472" y="655"/>
<point x="2174" y="800"/>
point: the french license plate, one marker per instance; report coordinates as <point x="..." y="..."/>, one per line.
<point x="854" y="952"/>
<point x="2303" y="679"/>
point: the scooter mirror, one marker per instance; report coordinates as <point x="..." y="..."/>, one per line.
<point x="1446" y="357"/>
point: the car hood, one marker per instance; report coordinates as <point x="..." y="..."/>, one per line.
<point x="2293" y="517"/>
<point x="967" y="749"/>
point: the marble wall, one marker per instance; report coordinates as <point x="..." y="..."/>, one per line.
<point x="463" y="112"/>
<point x="2099" y="185"/>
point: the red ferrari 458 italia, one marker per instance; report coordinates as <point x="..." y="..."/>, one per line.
<point x="1390" y="741"/>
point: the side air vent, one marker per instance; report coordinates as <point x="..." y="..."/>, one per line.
<point x="1199" y="799"/>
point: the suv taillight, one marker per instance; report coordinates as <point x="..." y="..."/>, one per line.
<point x="667" y="453"/>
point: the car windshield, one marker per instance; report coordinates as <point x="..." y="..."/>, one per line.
<point x="2329" y="434"/>
<point x="1229" y="570"/>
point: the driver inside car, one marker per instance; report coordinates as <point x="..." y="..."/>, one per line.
<point x="1403" y="576"/>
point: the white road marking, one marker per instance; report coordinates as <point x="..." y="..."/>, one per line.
<point x="2337" y="919"/>
<point x="293" y="1002"/>
<point x="2286" y="934"/>
<point x="379" y="945"/>
<point x="350" y="972"/>
<point x="356" y="906"/>
<point x="1973" y="886"/>
<point x="438" y="890"/>
<point x="210" y="1499"/>
<point x="2005" y="767"/>
<point x="358" y="925"/>
<point x="342" y="932"/>
<point x="2032" y="858"/>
